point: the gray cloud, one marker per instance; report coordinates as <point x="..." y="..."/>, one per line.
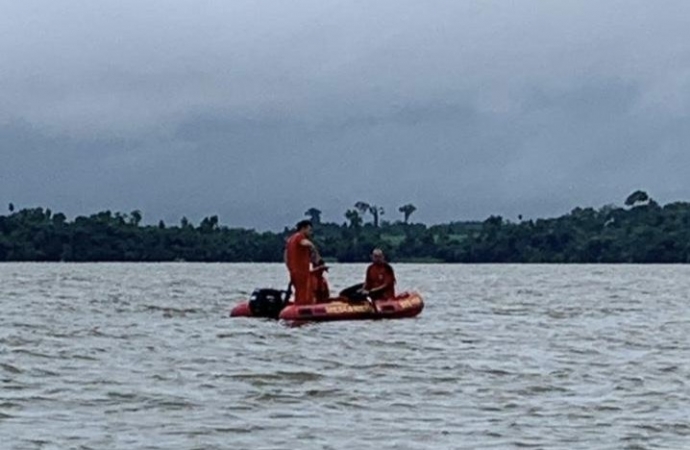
<point x="258" y="111"/>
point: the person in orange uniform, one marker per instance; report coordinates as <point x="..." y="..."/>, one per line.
<point x="319" y="284"/>
<point x="298" y="256"/>
<point x="380" y="279"/>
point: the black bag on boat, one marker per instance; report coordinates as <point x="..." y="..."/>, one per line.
<point x="267" y="303"/>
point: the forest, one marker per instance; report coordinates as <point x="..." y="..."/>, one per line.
<point x="639" y="231"/>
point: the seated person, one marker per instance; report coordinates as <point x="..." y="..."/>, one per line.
<point x="318" y="281"/>
<point x="380" y="280"/>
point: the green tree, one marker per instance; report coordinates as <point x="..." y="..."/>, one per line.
<point x="407" y="211"/>
<point x="135" y="217"/>
<point x="376" y="212"/>
<point x="362" y="207"/>
<point x="314" y="215"/>
<point x="354" y="218"/>
<point x="637" y="198"/>
<point x="209" y="224"/>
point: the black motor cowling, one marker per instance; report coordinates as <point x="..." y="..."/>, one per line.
<point x="267" y="303"/>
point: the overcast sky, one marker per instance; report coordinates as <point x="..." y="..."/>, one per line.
<point x="258" y="110"/>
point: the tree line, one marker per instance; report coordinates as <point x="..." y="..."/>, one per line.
<point x="640" y="231"/>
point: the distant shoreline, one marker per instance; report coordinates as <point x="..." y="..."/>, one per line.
<point x="642" y="232"/>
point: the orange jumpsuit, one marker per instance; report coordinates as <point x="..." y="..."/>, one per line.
<point x="298" y="258"/>
<point x="379" y="274"/>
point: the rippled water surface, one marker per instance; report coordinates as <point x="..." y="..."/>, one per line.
<point x="138" y="356"/>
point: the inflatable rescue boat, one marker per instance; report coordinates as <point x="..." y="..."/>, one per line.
<point x="270" y="303"/>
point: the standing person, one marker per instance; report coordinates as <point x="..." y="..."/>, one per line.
<point x="380" y="279"/>
<point x="298" y="256"/>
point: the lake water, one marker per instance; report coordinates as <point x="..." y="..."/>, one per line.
<point x="144" y="356"/>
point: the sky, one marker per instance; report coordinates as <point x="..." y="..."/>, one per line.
<point x="256" y="111"/>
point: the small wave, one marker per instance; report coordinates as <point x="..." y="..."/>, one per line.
<point x="16" y="341"/>
<point x="10" y="368"/>
<point x="233" y="430"/>
<point x="512" y="405"/>
<point x="523" y="444"/>
<point x="30" y="353"/>
<point x="650" y="428"/>
<point x="322" y="393"/>
<point x="347" y="404"/>
<point x="279" y="375"/>
<point x="10" y="405"/>
<point x="563" y="314"/>
<point x="247" y="429"/>
<point x="143" y="402"/>
<point x="270" y="397"/>
<point x="171" y="309"/>
<point x="44" y="373"/>
<point x="635" y="437"/>
<point x="83" y="357"/>
<point x="497" y="372"/>
<point x="539" y="389"/>
<point x="510" y="311"/>
<point x="67" y="335"/>
<point x="96" y="332"/>
<point x="32" y="326"/>
<point x="607" y="408"/>
<point x="529" y="292"/>
<point x="169" y="405"/>
<point x="379" y="366"/>
<point x="122" y="396"/>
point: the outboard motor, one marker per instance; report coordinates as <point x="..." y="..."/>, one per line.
<point x="267" y="302"/>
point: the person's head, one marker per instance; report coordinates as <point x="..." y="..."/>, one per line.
<point x="377" y="255"/>
<point x="305" y="227"/>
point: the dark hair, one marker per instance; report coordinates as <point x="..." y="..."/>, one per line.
<point x="303" y="224"/>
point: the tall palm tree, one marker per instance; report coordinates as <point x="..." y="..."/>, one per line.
<point x="407" y="211"/>
<point x="314" y="215"/>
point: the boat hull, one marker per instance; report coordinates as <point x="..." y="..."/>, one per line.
<point x="241" y="310"/>
<point x="405" y="305"/>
